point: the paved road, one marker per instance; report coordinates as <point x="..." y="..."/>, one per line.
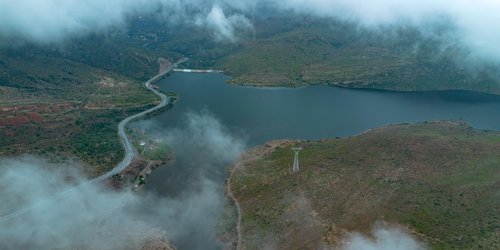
<point x="129" y="151"/>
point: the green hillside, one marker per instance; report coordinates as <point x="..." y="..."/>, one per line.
<point x="440" y="181"/>
<point x="319" y="52"/>
<point x="66" y="101"/>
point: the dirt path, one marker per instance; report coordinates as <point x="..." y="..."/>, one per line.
<point x="271" y="146"/>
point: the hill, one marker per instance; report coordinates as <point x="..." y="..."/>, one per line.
<point x="66" y="101"/>
<point x="314" y="51"/>
<point x="438" y="181"/>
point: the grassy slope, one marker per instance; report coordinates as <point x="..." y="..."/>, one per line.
<point x="317" y="52"/>
<point x="439" y="180"/>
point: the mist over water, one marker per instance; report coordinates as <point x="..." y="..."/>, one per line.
<point x="203" y="148"/>
<point x="60" y="210"/>
<point x="55" y="208"/>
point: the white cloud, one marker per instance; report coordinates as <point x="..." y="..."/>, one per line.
<point x="204" y="137"/>
<point x="49" y="207"/>
<point x="477" y="22"/>
<point x="384" y="239"/>
<point x="54" y="20"/>
<point x="223" y="27"/>
<point x="52" y="206"/>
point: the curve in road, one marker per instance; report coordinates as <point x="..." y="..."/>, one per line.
<point x="129" y="149"/>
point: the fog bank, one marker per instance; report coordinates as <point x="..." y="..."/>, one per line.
<point x="385" y="238"/>
<point x="52" y="206"/>
<point x="475" y="24"/>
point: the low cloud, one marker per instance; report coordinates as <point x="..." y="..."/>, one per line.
<point x="202" y="135"/>
<point x="384" y="238"/>
<point x="194" y="183"/>
<point x="53" y="206"/>
<point x="53" y="20"/>
<point x="223" y="27"/>
<point x="47" y="207"/>
<point x="475" y="24"/>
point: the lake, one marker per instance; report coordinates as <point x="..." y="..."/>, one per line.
<point x="255" y="115"/>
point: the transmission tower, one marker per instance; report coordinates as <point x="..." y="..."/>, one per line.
<point x="295" y="167"/>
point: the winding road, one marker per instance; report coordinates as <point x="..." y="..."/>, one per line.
<point x="127" y="144"/>
<point x="129" y="149"/>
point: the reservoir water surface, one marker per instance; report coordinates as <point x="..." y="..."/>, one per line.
<point x="319" y="111"/>
<point x="261" y="114"/>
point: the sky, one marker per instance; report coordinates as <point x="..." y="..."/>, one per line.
<point x="476" y="22"/>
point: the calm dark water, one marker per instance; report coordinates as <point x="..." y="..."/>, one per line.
<point x="259" y="115"/>
<point x="319" y="111"/>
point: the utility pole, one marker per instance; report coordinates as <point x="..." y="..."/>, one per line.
<point x="295" y="167"/>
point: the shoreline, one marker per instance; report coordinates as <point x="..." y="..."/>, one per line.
<point x="238" y="83"/>
<point x="242" y="84"/>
